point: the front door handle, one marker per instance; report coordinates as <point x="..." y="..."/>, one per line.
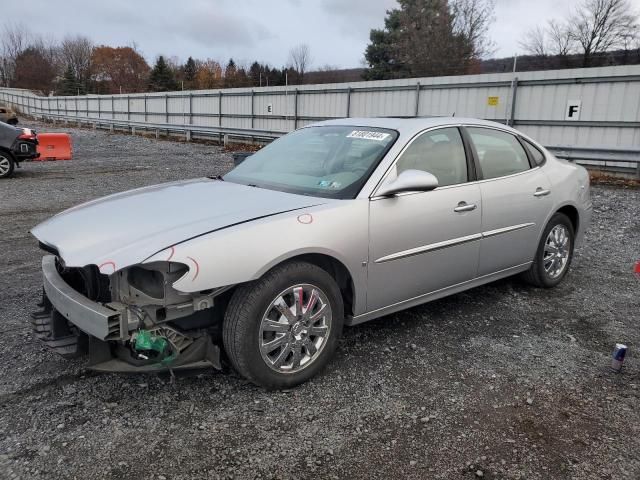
<point x="465" y="207"/>
<point x="540" y="192"/>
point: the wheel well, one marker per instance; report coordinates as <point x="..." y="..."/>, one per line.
<point x="572" y="213"/>
<point x="338" y="271"/>
<point x="8" y="152"/>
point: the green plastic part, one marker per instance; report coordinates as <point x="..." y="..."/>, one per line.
<point x="147" y="341"/>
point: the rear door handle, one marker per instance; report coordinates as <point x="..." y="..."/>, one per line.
<point x="465" y="207"/>
<point x="540" y="192"/>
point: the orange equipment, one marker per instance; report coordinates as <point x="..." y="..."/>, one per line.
<point x="54" y="146"/>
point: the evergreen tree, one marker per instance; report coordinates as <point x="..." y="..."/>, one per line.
<point x="419" y="39"/>
<point x="255" y="72"/>
<point x="190" y="69"/>
<point x="69" y="84"/>
<point x="381" y="54"/>
<point x="230" y="74"/>
<point x="162" y="78"/>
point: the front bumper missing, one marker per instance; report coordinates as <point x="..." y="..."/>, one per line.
<point x="93" y="318"/>
<point x="107" y="327"/>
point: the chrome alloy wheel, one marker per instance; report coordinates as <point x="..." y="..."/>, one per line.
<point x="557" y="248"/>
<point x="5" y="165"/>
<point x="295" y="328"/>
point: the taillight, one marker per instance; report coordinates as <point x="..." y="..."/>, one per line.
<point x="27" y="134"/>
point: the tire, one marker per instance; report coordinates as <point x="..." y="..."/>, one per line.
<point x="7" y="164"/>
<point x="69" y="344"/>
<point x="546" y="270"/>
<point x="13" y="121"/>
<point x="256" y="320"/>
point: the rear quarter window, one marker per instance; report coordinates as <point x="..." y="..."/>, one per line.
<point x="536" y="153"/>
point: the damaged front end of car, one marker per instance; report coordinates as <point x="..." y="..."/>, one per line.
<point x="130" y="321"/>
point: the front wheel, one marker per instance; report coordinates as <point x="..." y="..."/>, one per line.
<point x="282" y="329"/>
<point x="554" y="253"/>
<point x="7" y="164"/>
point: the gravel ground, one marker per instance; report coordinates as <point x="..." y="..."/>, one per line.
<point x="504" y="381"/>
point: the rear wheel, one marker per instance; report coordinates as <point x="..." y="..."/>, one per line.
<point x="554" y="253"/>
<point x="7" y="164"/>
<point x="282" y="329"/>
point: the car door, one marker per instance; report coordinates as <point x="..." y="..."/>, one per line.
<point x="516" y="198"/>
<point x="420" y="242"/>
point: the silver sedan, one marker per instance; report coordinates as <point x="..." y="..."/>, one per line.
<point x="334" y="224"/>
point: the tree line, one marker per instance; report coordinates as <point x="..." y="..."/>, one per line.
<point x="76" y="66"/>
<point x="592" y="29"/>
<point x="420" y="38"/>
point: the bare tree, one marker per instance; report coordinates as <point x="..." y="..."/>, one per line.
<point x="534" y="42"/>
<point x="561" y="41"/>
<point x="300" y="60"/>
<point x="14" y="39"/>
<point x="472" y="19"/>
<point x="76" y="53"/>
<point x="601" y="25"/>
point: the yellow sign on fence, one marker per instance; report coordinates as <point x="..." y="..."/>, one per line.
<point x="493" y="101"/>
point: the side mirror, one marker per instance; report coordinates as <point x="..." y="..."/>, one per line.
<point x="409" y="181"/>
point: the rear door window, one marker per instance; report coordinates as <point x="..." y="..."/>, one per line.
<point x="499" y="153"/>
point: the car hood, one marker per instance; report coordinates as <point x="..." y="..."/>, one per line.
<point x="126" y="228"/>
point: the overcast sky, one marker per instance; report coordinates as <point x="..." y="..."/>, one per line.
<point x="337" y="31"/>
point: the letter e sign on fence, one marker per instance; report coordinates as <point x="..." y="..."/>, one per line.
<point x="573" y="110"/>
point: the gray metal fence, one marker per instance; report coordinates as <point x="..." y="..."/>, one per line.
<point x="592" y="113"/>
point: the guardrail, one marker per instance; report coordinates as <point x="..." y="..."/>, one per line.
<point x="624" y="161"/>
<point x="222" y="134"/>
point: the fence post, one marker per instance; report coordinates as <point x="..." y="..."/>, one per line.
<point x="190" y="108"/>
<point x="220" y="108"/>
<point x="128" y="109"/>
<point x="348" y="102"/>
<point x="514" y="90"/>
<point x="417" y="99"/>
<point x="252" y="108"/>
<point x="99" y="107"/>
<point x="166" y="109"/>
<point x="295" y="109"/>
<point x="145" y="107"/>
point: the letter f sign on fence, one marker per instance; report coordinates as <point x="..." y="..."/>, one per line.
<point x="573" y="110"/>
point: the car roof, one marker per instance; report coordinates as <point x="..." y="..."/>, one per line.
<point x="411" y="126"/>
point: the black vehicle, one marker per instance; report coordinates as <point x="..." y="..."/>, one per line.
<point x="16" y="145"/>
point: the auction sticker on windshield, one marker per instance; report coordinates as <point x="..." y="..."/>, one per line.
<point x="367" y="135"/>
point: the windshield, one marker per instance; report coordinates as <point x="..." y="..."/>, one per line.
<point x="331" y="161"/>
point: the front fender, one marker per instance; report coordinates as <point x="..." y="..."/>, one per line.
<point x="245" y="252"/>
